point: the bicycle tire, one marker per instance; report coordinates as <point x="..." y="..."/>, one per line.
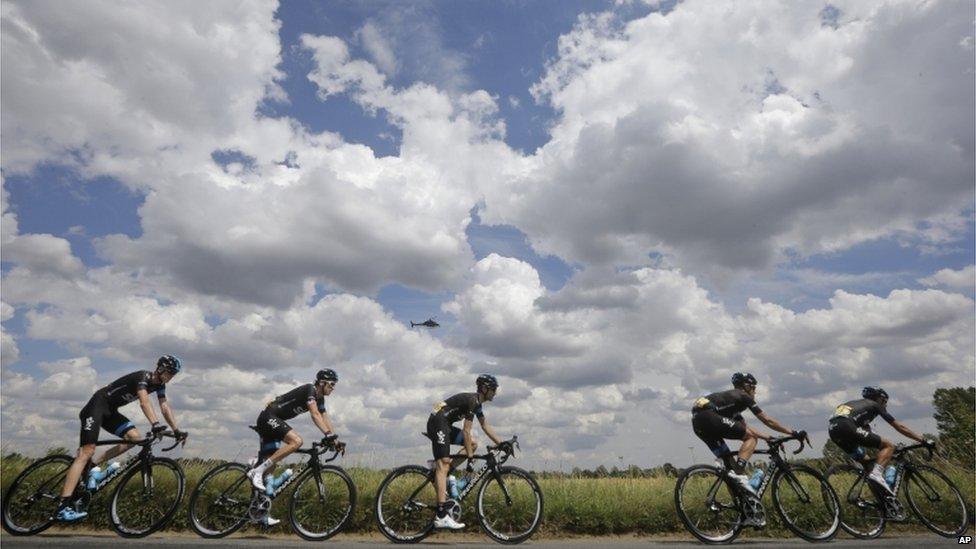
<point x="680" y="498"/>
<point x="858" y="502"/>
<point x="910" y="481"/>
<point x="500" y="537"/>
<point x="422" y="509"/>
<point x="125" y="530"/>
<point x="782" y="482"/>
<point x="52" y="487"/>
<point x="196" y="521"/>
<point x="301" y="527"/>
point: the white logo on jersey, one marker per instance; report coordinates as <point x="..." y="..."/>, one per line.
<point x="89" y="423"/>
<point x="728" y="422"/>
<point x="441" y="437"/>
<point x="273" y="422"/>
<point x="862" y="432"/>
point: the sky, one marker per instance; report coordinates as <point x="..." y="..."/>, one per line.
<point x="612" y="206"/>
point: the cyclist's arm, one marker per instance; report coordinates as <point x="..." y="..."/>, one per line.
<point x="773" y="424"/>
<point x="320" y="419"/>
<point x="146" y="405"/>
<point x="167" y="411"/>
<point x="488" y="430"/>
<point x="903" y="429"/>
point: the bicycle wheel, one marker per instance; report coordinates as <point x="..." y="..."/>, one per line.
<point x="144" y="501"/>
<point x="31" y="501"/>
<point x="219" y="503"/>
<point x="936" y="501"/>
<point x="406" y="504"/>
<point x="861" y="514"/>
<point x="707" y="505"/>
<point x="806" y="502"/>
<point x="322" y="503"/>
<point x="510" y="505"/>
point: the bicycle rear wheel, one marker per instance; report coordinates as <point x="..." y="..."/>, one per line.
<point x="806" y="502"/>
<point x="32" y="500"/>
<point x="510" y="505"/>
<point x="936" y="501"/>
<point x="707" y="505"/>
<point x="219" y="503"/>
<point x="406" y="504"/>
<point x="322" y="503"/>
<point x="861" y="514"/>
<point x="144" y="501"/>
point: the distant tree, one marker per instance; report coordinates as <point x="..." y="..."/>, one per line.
<point x="833" y="453"/>
<point x="601" y="472"/>
<point x="955" y="417"/>
<point x="670" y="470"/>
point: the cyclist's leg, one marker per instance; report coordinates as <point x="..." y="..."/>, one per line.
<point x="842" y="432"/>
<point x="457" y="439"/>
<point x="91" y="421"/>
<point x="274" y="428"/>
<point x="705" y="426"/>
<point x="749" y="439"/>
<point x="120" y="426"/>
<point x="439" y="432"/>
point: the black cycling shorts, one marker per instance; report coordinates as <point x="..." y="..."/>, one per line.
<point x="99" y="414"/>
<point x="714" y="428"/>
<point x="272" y="430"/>
<point x="846" y="434"/>
<point x="442" y="434"/>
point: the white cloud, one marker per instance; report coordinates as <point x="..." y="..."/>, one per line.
<point x="723" y="135"/>
<point x="962" y="279"/>
<point x="376" y="44"/>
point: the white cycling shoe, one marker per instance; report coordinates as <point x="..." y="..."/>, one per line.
<point x="878" y="478"/>
<point x="448" y="522"/>
<point x="743" y="482"/>
<point x="257" y="479"/>
<point x="268" y="521"/>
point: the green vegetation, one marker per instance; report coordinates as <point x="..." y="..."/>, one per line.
<point x="955" y="415"/>
<point x="575" y="505"/>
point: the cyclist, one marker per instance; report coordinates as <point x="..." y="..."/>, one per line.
<point x="850" y="428"/>
<point x="102" y="411"/>
<point x="443" y="433"/>
<point x="278" y="439"/>
<point x="718" y="416"/>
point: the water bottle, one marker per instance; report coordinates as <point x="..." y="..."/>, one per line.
<point x="890" y="473"/>
<point x="275" y="482"/>
<point x="461" y="483"/>
<point x="756" y="479"/>
<point x="452" y="488"/>
<point x="97" y="475"/>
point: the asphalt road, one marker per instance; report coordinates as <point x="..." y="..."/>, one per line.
<point x="48" y="541"/>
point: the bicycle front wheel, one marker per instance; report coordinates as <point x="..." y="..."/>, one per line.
<point x="936" y="501"/>
<point x="406" y="504"/>
<point x="707" y="505"/>
<point x="31" y="501"/>
<point x="219" y="503"/>
<point x="146" y="498"/>
<point x="806" y="502"/>
<point x="322" y="503"/>
<point x="861" y="514"/>
<point x="510" y="505"/>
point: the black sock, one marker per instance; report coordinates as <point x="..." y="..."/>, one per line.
<point x="62" y="503"/>
<point x="740" y="465"/>
<point x="441" y="510"/>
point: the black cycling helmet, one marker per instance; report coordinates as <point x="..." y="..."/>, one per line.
<point x="327" y="374"/>
<point x="874" y="393"/>
<point x="487" y="380"/>
<point x="170" y="364"/>
<point x="739" y="379"/>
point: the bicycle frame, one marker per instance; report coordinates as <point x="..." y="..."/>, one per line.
<point x="314" y="463"/>
<point x="143" y="458"/>
<point x="903" y="466"/>
<point x="777" y="462"/>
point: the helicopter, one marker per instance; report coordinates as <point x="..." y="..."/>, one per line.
<point x="429" y="323"/>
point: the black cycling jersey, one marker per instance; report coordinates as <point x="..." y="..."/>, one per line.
<point x="295" y="402"/>
<point x="123" y="390"/>
<point x="461" y="405"/>
<point x="729" y="403"/>
<point x="863" y="412"/>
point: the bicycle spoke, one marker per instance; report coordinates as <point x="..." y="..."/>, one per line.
<point x="706" y="505"/>
<point x="322" y="503"/>
<point x="862" y="515"/>
<point x="806" y="503"/>
<point x="34" y="498"/>
<point x="406" y="504"/>
<point x="220" y="501"/>
<point x="141" y="503"/>
<point x="936" y="501"/>
<point x="510" y="504"/>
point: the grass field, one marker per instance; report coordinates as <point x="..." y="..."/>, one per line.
<point x="573" y="505"/>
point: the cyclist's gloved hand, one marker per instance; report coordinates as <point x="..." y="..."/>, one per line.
<point x="158" y="428"/>
<point x="801" y="435"/>
<point x="340" y="446"/>
<point x="181" y="435"/>
<point x="331" y="437"/>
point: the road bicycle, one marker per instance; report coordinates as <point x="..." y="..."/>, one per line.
<point x="321" y="504"/>
<point x="144" y="500"/>
<point x="715" y="508"/>
<point x="508" y="504"/>
<point x="866" y="508"/>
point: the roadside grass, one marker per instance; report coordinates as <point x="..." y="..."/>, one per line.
<point x="574" y="506"/>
